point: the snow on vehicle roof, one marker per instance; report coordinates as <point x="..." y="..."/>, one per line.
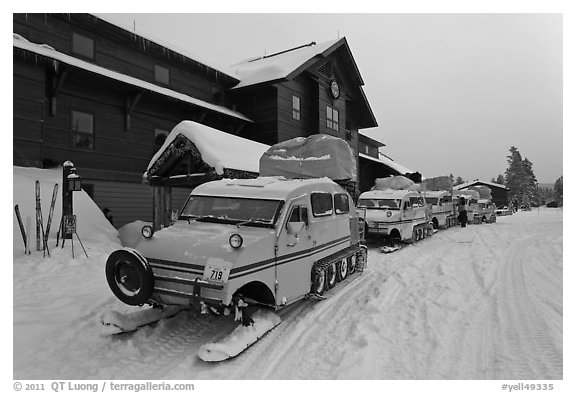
<point x="436" y="193"/>
<point x="268" y="187"/>
<point x="276" y="66"/>
<point x="218" y="149"/>
<point x="389" y="163"/>
<point x="47" y="51"/>
<point x="387" y="194"/>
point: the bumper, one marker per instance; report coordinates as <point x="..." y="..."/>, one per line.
<point x="172" y="290"/>
<point x="379" y="228"/>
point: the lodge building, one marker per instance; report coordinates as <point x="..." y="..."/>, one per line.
<point x="91" y="92"/>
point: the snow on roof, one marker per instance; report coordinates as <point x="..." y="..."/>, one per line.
<point x="472" y="183"/>
<point x="394" y="194"/>
<point x="161" y="42"/>
<point x="218" y="149"/>
<point x="389" y="163"/>
<point x="47" y="51"/>
<point x="276" y="66"/>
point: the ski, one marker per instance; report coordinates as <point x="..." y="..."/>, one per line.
<point x="38" y="207"/>
<point x="241" y="338"/>
<point x="114" y="322"/>
<point x="52" y="204"/>
<point x="40" y="235"/>
<point x="389" y="249"/>
<point x="24" y="238"/>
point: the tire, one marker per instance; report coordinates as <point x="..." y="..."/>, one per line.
<point x="351" y="264"/>
<point x="343" y="269"/>
<point x="130" y="277"/>
<point x="331" y="276"/>
<point x="319" y="283"/>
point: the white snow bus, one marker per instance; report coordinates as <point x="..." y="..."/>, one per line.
<point x="242" y="246"/>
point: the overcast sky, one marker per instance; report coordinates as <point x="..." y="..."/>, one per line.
<point x="451" y="92"/>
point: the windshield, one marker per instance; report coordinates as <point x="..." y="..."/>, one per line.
<point x="229" y="210"/>
<point x="380" y="203"/>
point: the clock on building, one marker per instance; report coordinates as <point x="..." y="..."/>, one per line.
<point x="334" y="89"/>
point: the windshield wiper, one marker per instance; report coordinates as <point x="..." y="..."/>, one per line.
<point x="254" y="221"/>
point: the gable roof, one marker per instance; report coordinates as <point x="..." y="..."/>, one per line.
<point x="475" y="182"/>
<point x="288" y="64"/>
<point x="283" y="65"/>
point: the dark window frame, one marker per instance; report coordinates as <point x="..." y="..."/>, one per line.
<point x="296" y="111"/>
<point x="314" y="204"/>
<point x="332" y="124"/>
<point x="74" y="132"/>
<point x="346" y="205"/>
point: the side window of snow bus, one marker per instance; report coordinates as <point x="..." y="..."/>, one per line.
<point x="322" y="204"/>
<point x="299" y="214"/>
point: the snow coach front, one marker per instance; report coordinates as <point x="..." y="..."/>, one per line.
<point x="399" y="215"/>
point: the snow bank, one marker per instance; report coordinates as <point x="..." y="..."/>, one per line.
<point x="90" y="220"/>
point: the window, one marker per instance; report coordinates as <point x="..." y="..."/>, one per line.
<point x="332" y="118"/>
<point x="159" y="138"/>
<point x="82" y="130"/>
<point x="321" y="204"/>
<point x="296" y="107"/>
<point x="161" y="75"/>
<point x="341" y="203"/>
<point x="299" y="214"/>
<point x="82" y="45"/>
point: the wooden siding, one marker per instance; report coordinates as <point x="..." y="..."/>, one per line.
<point x="131" y="201"/>
<point x="289" y="128"/>
<point x="113" y="50"/>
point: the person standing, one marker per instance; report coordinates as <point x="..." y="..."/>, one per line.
<point x="462" y="213"/>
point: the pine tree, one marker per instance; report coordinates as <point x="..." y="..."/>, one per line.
<point x="458" y="181"/>
<point x="520" y="178"/>
<point x="559" y="190"/>
<point x="500" y="179"/>
<point x="514" y="174"/>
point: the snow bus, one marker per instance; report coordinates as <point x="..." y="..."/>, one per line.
<point x="487" y="210"/>
<point x="399" y="215"/>
<point x="442" y="211"/>
<point x="249" y="247"/>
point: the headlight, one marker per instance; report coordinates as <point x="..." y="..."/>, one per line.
<point x="235" y="241"/>
<point x="147" y="231"/>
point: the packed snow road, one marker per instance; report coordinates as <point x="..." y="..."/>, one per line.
<point x="481" y="302"/>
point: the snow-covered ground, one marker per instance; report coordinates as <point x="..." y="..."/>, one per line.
<point x="478" y="303"/>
